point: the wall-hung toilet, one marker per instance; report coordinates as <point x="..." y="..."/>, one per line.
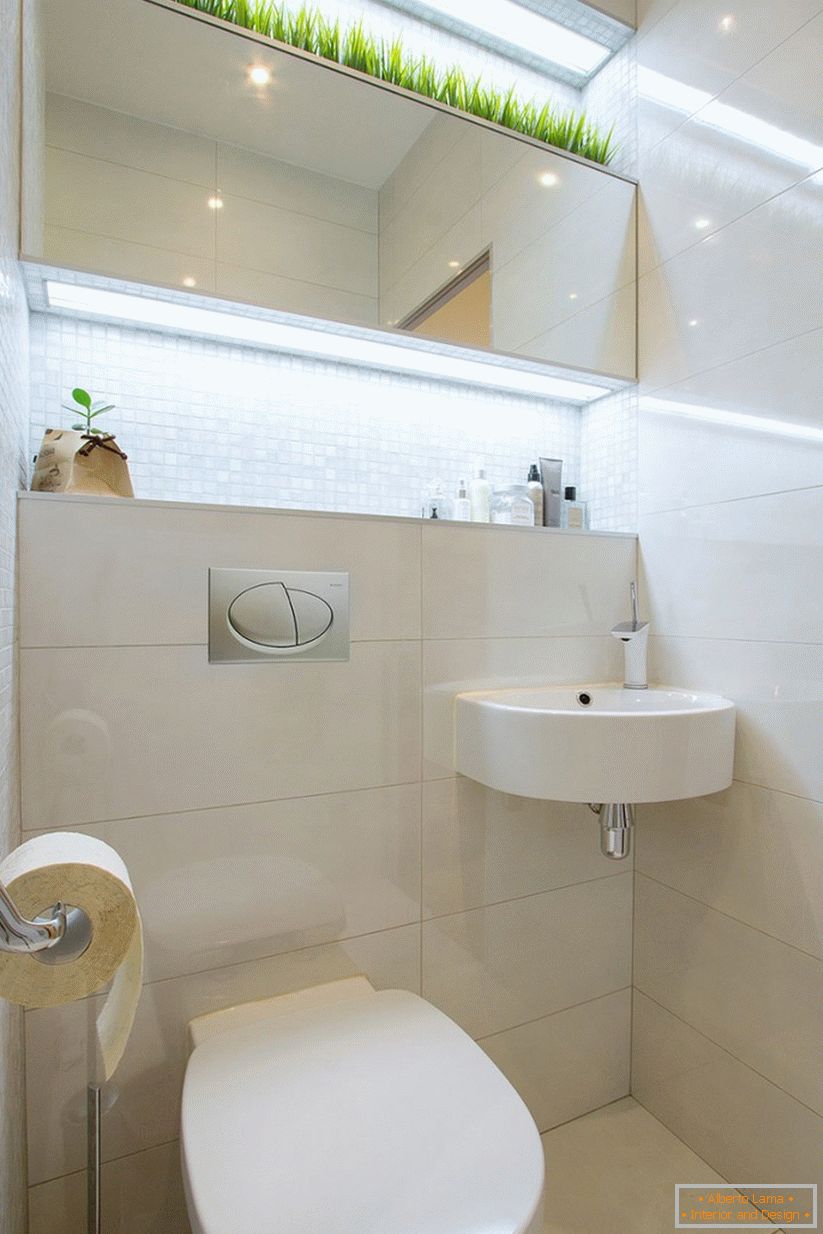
<point x="344" y="1110"/>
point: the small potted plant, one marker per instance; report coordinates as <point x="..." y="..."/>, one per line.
<point x="82" y="459"/>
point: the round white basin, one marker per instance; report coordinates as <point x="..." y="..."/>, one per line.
<point x="596" y="743"/>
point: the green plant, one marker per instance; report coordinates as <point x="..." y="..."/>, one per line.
<point x="308" y="29"/>
<point x="87" y="410"/>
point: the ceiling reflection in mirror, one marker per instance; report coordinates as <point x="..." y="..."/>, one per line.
<point x="195" y="156"/>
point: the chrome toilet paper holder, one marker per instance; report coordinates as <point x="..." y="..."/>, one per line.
<point x="59" y="935"/>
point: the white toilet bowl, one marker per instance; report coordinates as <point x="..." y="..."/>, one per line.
<point x="343" y="1110"/>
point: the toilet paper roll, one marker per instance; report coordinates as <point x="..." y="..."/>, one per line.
<point x="85" y="873"/>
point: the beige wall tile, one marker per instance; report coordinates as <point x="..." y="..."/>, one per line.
<point x="568" y="1063"/>
<point x="778" y="691"/>
<point x="478" y="584"/>
<point x="219" y="887"/>
<point x="147" y="581"/>
<point x="481" y="847"/>
<point x="754" y="996"/>
<point x="737" y="1121"/>
<point x="748" y="852"/>
<point x="141" y="1191"/>
<point x="102" y="740"/>
<point x="479" y="968"/>
<point x="759" y="564"/>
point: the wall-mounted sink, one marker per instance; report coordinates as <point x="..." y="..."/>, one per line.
<point x="599" y="743"/>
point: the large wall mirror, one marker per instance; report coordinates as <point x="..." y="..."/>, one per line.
<point x="192" y="154"/>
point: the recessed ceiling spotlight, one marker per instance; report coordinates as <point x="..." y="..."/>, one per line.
<point x="728" y="23"/>
<point x="188" y="281"/>
<point x="702" y="224"/>
<point x="259" y="75"/>
<point x="694" y="322"/>
<point x="215" y="202"/>
<point x="454" y="265"/>
<point x="573" y="295"/>
<point x="549" y="179"/>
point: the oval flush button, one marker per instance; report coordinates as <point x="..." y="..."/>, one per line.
<point x="314" y="616"/>
<point x="264" y="615"/>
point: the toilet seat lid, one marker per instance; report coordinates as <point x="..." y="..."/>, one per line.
<point x="377" y="1115"/>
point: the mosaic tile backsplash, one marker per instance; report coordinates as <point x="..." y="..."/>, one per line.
<point x="217" y="422"/>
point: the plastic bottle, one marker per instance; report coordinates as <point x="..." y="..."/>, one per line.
<point x="462" y="504"/>
<point x="480" y="496"/>
<point x="535" y="487"/>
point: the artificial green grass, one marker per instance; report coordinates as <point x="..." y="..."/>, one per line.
<point x="307" y="29"/>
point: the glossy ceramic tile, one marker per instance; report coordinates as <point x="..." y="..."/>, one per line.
<point x="749" y="852"/>
<point x="754" y="996"/>
<point x="98" y="132"/>
<point x="683" y="199"/>
<point x="88" y="194"/>
<point x="260" y="236"/>
<point x="293" y="296"/>
<point x="106" y="255"/>
<point x="615" y="1170"/>
<point x="244" y="173"/>
<point x="101" y="740"/>
<point x="218" y="887"/>
<point x="784" y="88"/>
<point x="481" y="847"/>
<point x="147" y="581"/>
<point x="742" y="289"/>
<point x="759" y="564"/>
<point x="691" y="43"/>
<point x="477" y="969"/>
<point x="478" y="584"/>
<point x="144" y="1097"/>
<point x="689" y="459"/>
<point x="780" y="382"/>
<point x="568" y="1063"/>
<point x="762" y="1134"/>
<point x="143" y="1191"/>
<point x="778" y="691"/>
<point x="454" y="665"/>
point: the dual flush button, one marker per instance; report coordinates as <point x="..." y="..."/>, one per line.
<point x="277" y="615"/>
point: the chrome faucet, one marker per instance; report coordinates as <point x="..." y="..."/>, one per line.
<point x="634" y="635"/>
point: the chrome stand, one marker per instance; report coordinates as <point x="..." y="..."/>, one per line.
<point x="59" y="935"/>
<point x="94" y="1154"/>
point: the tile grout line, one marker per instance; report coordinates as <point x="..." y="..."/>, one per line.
<point x="746" y="925"/>
<point x="740" y="1062"/>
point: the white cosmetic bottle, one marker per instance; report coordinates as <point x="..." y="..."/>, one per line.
<point x="462" y="505"/>
<point x="480" y="496"/>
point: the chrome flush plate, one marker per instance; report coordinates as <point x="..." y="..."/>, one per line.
<point x="278" y="616"/>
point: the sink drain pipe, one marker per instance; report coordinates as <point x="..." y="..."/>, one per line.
<point x="616" y="822"/>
